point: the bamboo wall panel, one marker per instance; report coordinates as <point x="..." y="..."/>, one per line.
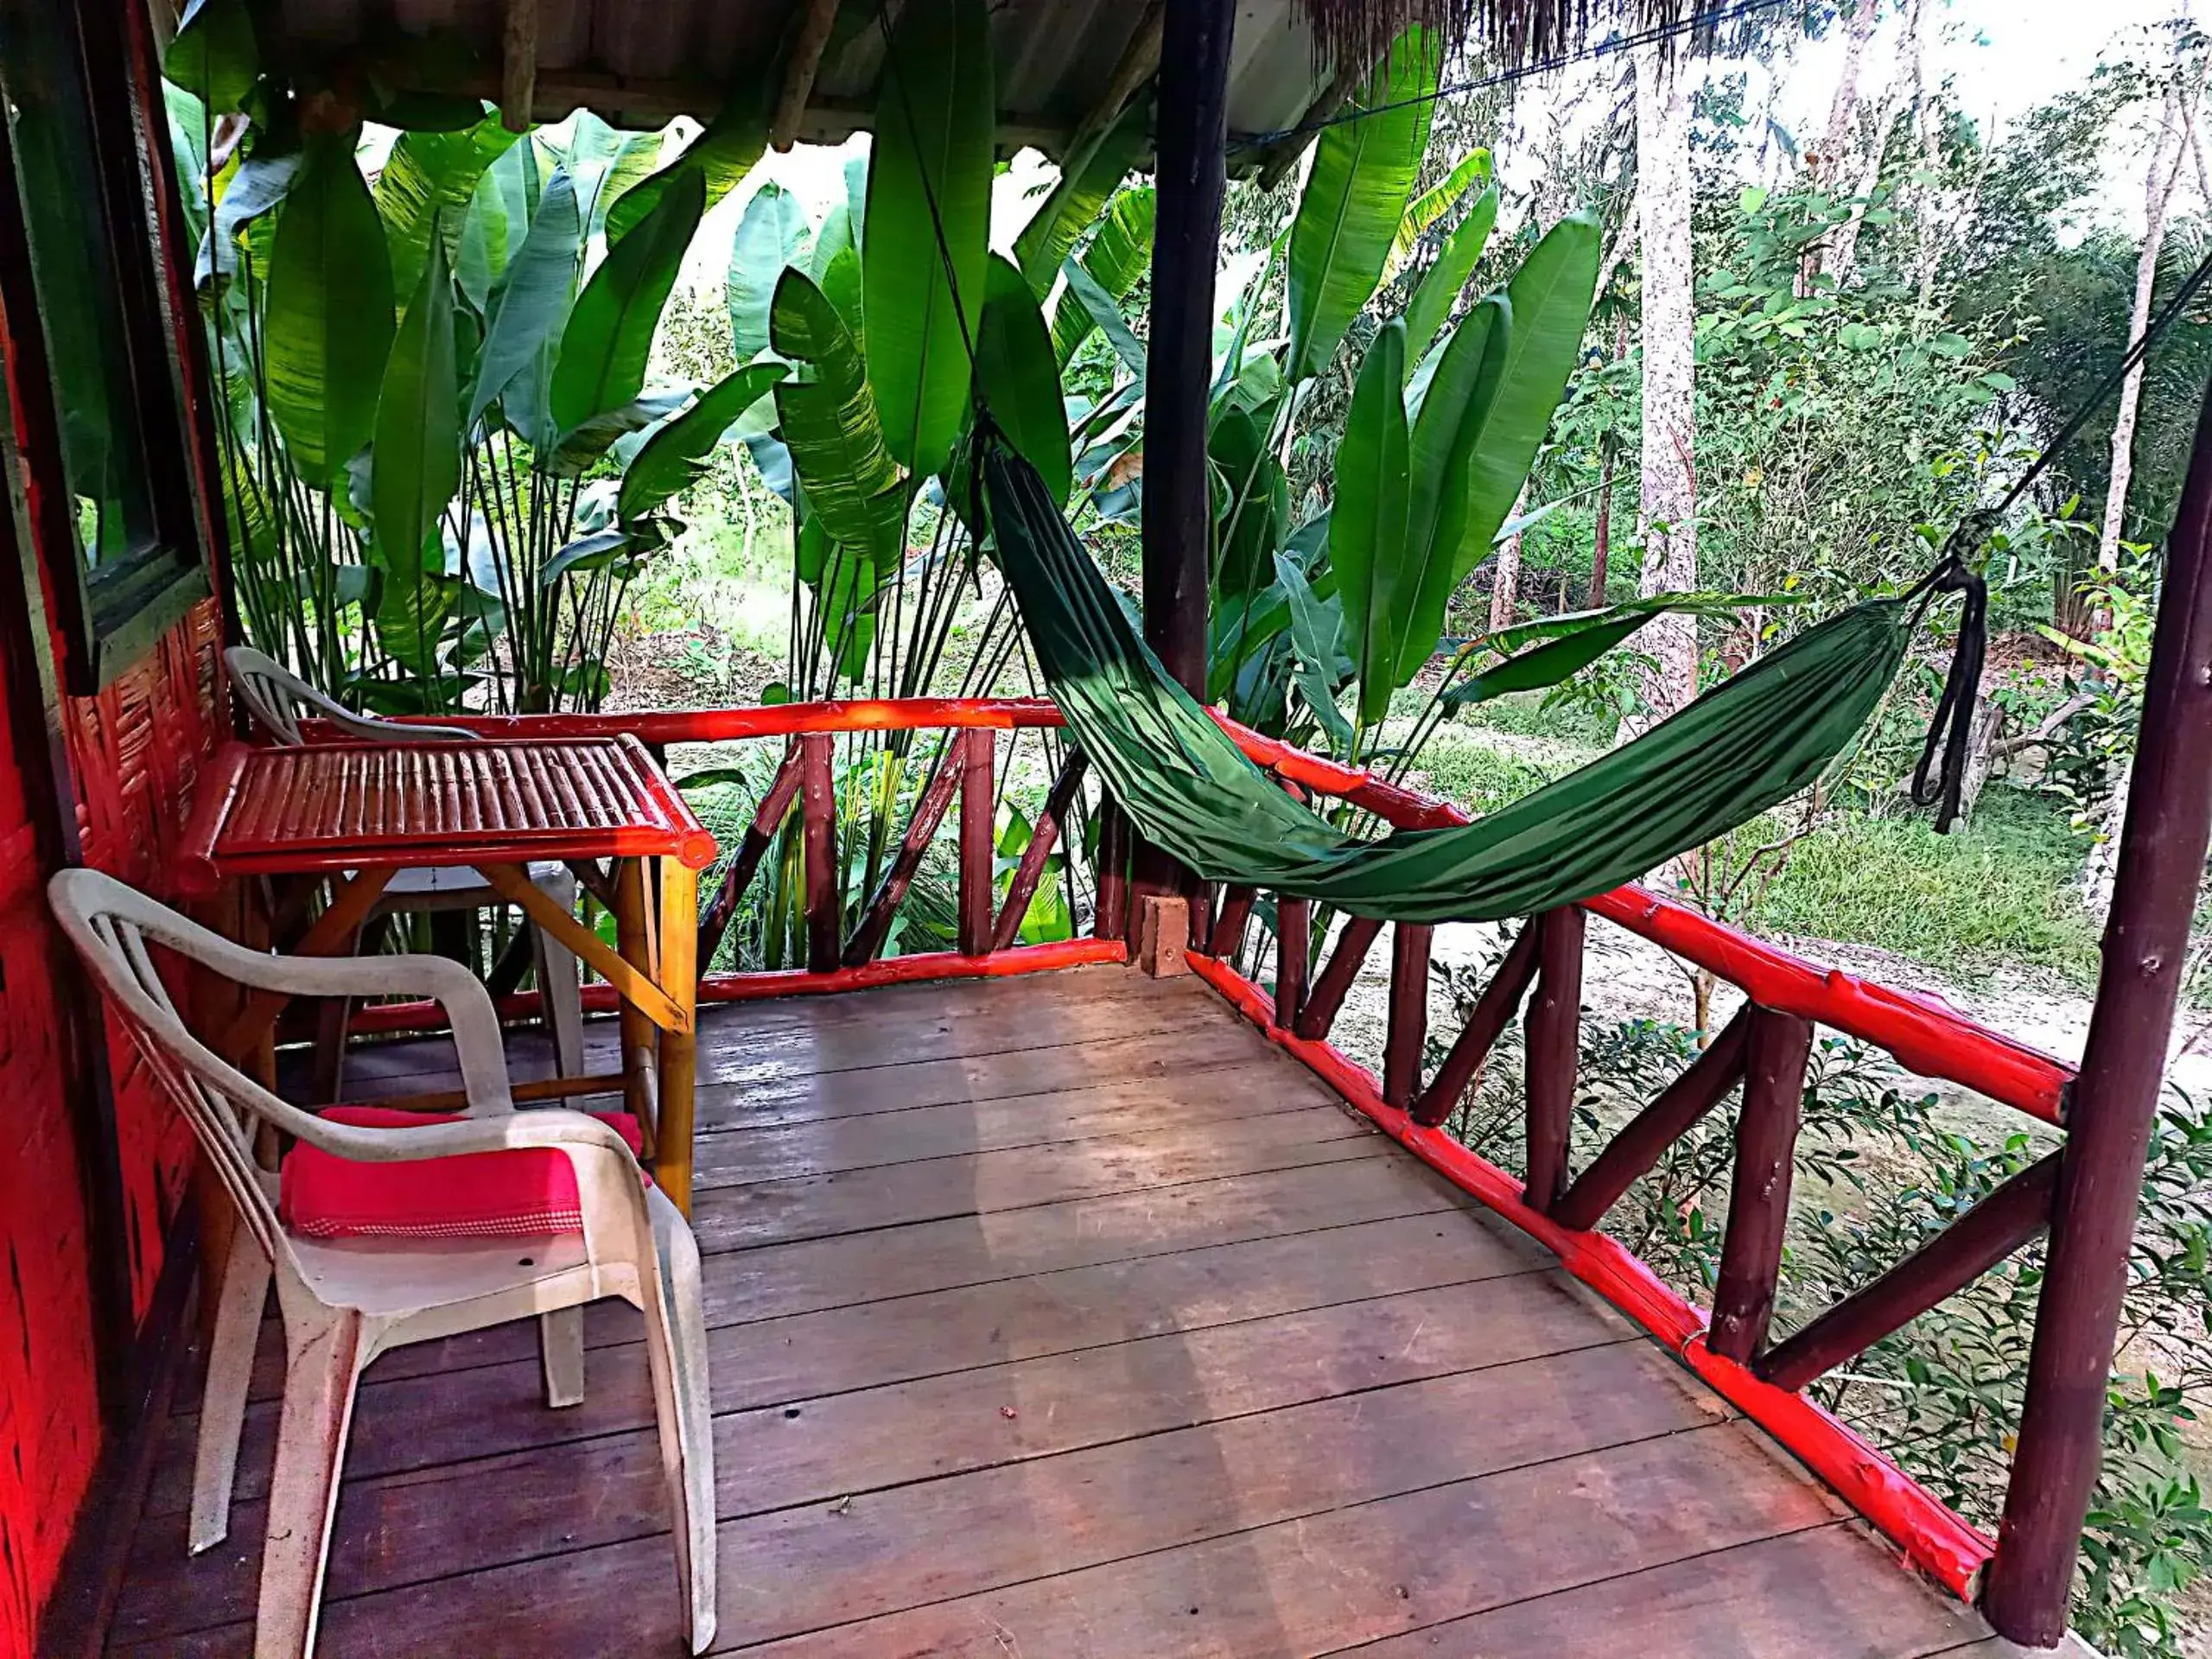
<point x="136" y="750"/>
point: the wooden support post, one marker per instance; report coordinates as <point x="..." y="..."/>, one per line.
<point x="518" y="65"/>
<point x="1702" y="1086"/>
<point x="1163" y="935"/>
<point x="1554" y="1043"/>
<point x="759" y="835"/>
<point x="1408" y="1032"/>
<point x="2115" y="1099"/>
<point x="1228" y="931"/>
<point x="679" y="1047"/>
<point x="929" y="812"/>
<point x="1500" y="1000"/>
<point x="640" y="1045"/>
<point x="1044" y="836"/>
<point x="1111" y="919"/>
<point x="825" y="904"/>
<point x="1202" y="897"/>
<point x="1190" y="175"/>
<point x="1758" y="1195"/>
<point x="1356" y="937"/>
<point x="1294" y="929"/>
<point x="978" y="842"/>
<point x="800" y="68"/>
<point x="1949" y="1262"/>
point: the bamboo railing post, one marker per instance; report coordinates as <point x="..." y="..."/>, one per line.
<point x="1955" y="1258"/>
<point x="1042" y="839"/>
<point x="1646" y="1137"/>
<point x="1202" y="897"/>
<point x="1497" y="1005"/>
<point x="874" y="926"/>
<point x="978" y="841"/>
<point x="1111" y="920"/>
<point x="1758" y="1194"/>
<point x="1407" y="1032"/>
<point x="1354" y="940"/>
<point x="818" y="802"/>
<point x="759" y="835"/>
<point x="1294" y="929"/>
<point x="1555" y="1037"/>
<point x="2115" y="1099"/>
<point x="1229" y="926"/>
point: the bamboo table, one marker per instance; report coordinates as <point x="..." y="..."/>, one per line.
<point x="356" y="814"/>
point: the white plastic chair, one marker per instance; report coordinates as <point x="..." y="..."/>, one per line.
<point x="346" y="1301"/>
<point x="274" y="695"/>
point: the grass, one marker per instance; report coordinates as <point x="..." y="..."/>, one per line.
<point x="1996" y="894"/>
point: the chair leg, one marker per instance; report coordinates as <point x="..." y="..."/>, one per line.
<point x="676" y="1349"/>
<point x="239" y="1303"/>
<point x="560" y="985"/>
<point x="561" y="1345"/>
<point x="334" y="1026"/>
<point x="323" y="1362"/>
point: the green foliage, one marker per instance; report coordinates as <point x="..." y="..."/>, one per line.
<point x="1016" y="373"/>
<point x="1367" y="528"/>
<point x="425" y="181"/>
<point x="1355" y="201"/>
<point x="837" y="439"/>
<point x="929" y="172"/>
<point x="328" y="317"/>
<point x="601" y="364"/>
<point x="414" y="467"/>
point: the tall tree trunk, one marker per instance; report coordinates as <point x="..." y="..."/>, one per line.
<point x="1601" y="539"/>
<point x="1904" y="85"/>
<point x="1824" y="165"/>
<point x="2166" y="157"/>
<point x="1505" y="574"/>
<point x="1669" y="493"/>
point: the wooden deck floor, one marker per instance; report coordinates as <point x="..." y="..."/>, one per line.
<point x="1059" y="1317"/>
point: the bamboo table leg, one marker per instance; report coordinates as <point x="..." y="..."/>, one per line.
<point x="679" y="954"/>
<point x="631" y="940"/>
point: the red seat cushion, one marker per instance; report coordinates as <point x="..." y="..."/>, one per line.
<point x="529" y="1192"/>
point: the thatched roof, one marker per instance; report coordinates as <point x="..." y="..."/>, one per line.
<point x="1065" y="67"/>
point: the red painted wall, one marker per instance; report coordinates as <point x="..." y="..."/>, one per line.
<point x="49" y="1402"/>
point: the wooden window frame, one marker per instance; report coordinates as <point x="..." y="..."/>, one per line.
<point x="110" y="618"/>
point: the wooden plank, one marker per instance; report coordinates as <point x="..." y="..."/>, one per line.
<point x="1104" y="1405"/>
<point x="814" y="1206"/>
<point x="1829" y="1591"/>
<point x="835" y="1146"/>
<point x="1309" y="1583"/>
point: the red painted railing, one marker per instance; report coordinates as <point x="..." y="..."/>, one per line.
<point x="1766" y="1050"/>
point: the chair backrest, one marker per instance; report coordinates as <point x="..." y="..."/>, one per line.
<point x="112" y="924"/>
<point x="274" y="695"/>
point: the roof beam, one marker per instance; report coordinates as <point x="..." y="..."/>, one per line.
<point x="1139" y="62"/>
<point x="805" y="64"/>
<point x="518" y="65"/>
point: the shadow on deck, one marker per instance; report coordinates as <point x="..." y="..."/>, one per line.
<point x="1063" y="1316"/>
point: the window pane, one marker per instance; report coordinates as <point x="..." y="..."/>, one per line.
<point x="80" y="307"/>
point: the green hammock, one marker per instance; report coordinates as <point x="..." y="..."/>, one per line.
<point x="1747" y="745"/>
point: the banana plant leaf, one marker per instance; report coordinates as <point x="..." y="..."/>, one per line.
<point x="1354" y="200"/>
<point x="830" y="425"/>
<point x="1434" y="203"/>
<point x="673" y="455"/>
<point x="1119" y="253"/>
<point x="529" y="307"/>
<point x="1368" y="523"/>
<point x="1317" y="640"/>
<point x="930" y="171"/>
<point x="1581" y="639"/>
<point x="328" y="319"/>
<point x="1440" y="284"/>
<point x="1250" y="530"/>
<point x="609" y="334"/>
<point x="415" y="467"/>
<point x="496" y="223"/>
<point x="1453" y="415"/>
<point x="1019" y="379"/>
<point x="256" y="185"/>
<point x="774" y="232"/>
<point x="1077" y="201"/>
<point x="1104" y="312"/>
<point x="213" y="54"/>
<point x="1744" y="747"/>
<point x="719" y="158"/>
<point x="426" y="182"/>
